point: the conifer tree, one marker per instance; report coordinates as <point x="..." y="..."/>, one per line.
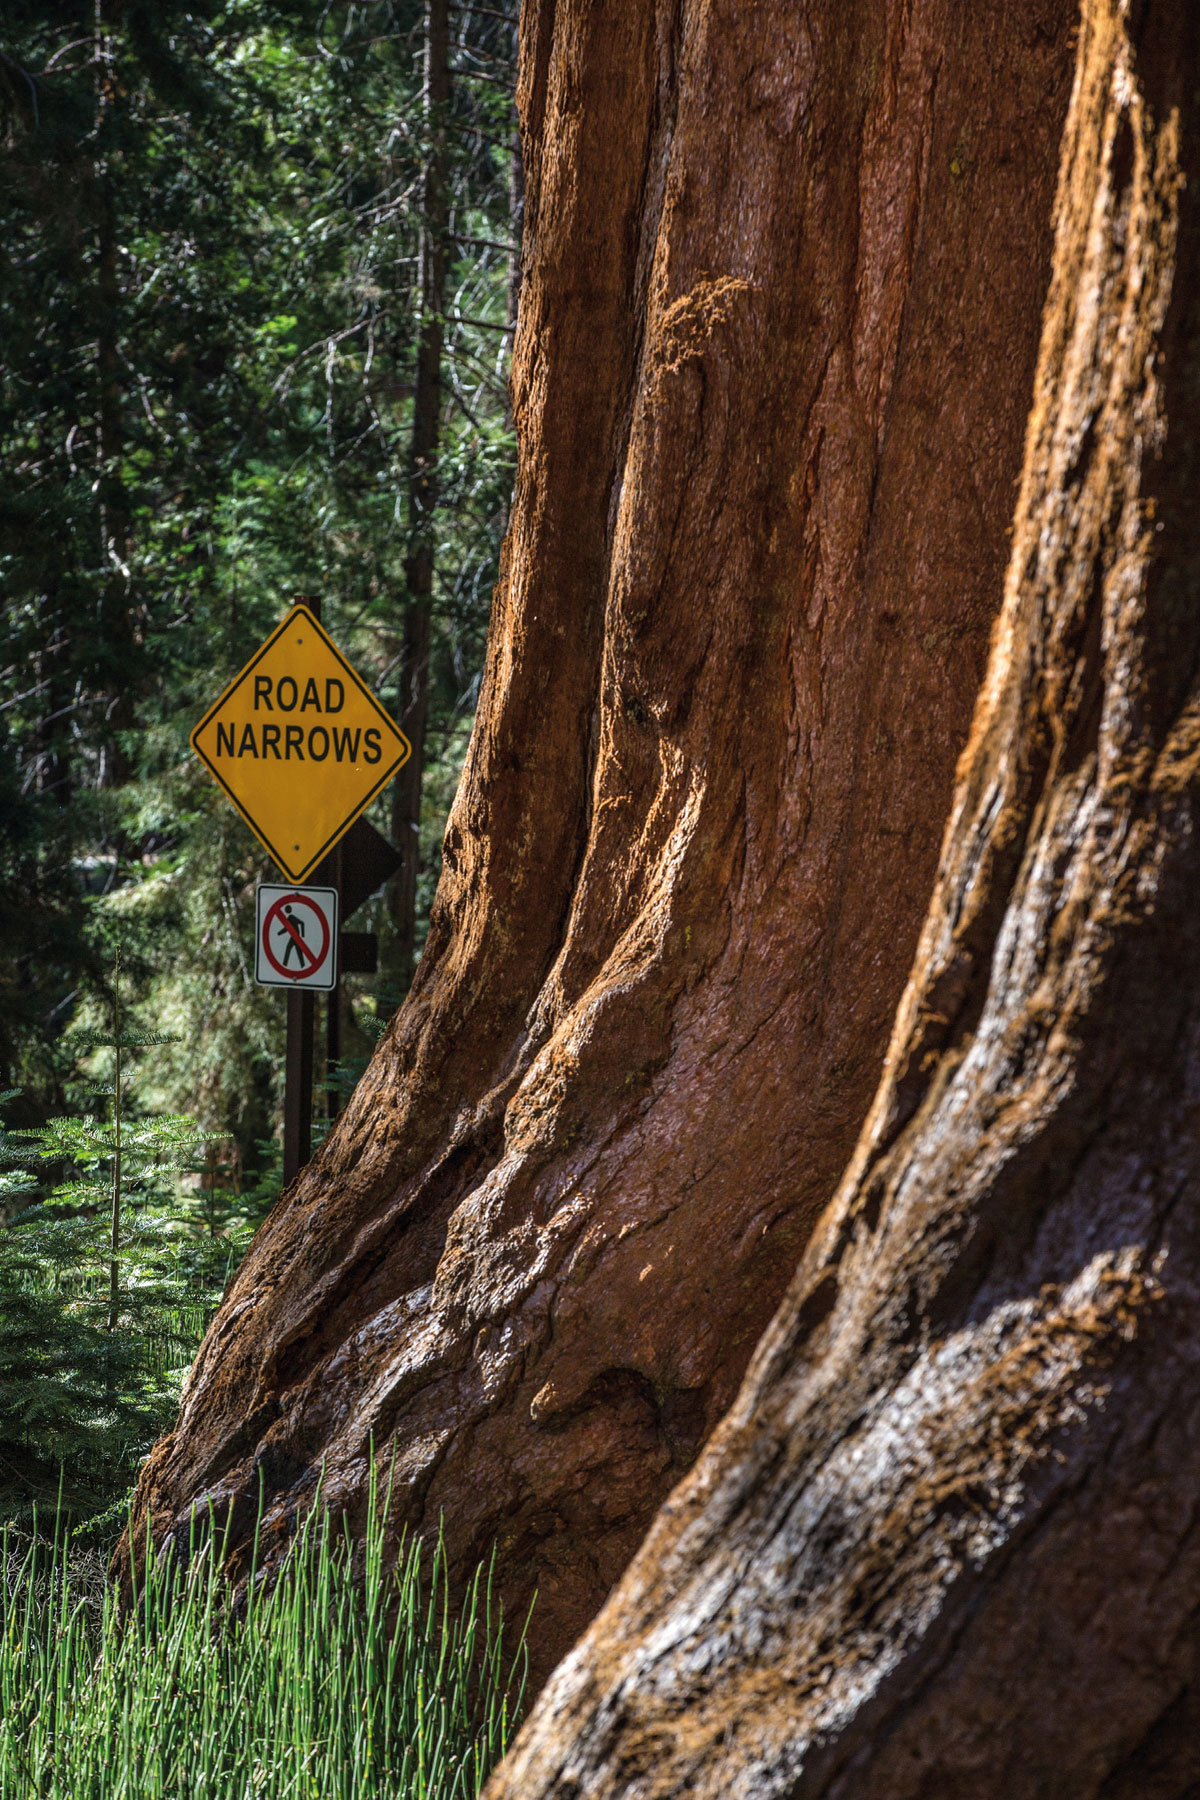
<point x="102" y="1295"/>
<point x="76" y="1405"/>
<point x="121" y="1160"/>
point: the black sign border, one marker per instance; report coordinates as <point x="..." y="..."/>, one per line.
<point x="290" y="618"/>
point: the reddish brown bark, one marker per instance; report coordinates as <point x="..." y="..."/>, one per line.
<point x="946" y="1542"/>
<point x="778" y="320"/>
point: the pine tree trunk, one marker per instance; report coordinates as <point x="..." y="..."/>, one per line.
<point x="783" y="273"/>
<point x="946" y="1542"/>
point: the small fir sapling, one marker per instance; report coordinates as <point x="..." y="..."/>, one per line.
<point x="76" y="1403"/>
<point x="122" y="1163"/>
<point x="103" y="1293"/>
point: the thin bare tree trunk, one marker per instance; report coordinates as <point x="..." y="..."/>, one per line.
<point x="117" y="624"/>
<point x="422" y="489"/>
<point x="946" y="1542"/>
<point x="783" y="274"/>
<point x="516" y="208"/>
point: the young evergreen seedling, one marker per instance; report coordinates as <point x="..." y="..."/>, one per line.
<point x="103" y="1297"/>
<point x="78" y="1403"/>
<point x="17" y="1184"/>
<point x="121" y="1161"/>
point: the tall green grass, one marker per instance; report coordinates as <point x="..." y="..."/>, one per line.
<point x="337" y="1679"/>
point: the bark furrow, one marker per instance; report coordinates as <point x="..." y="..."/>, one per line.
<point x="945" y="1543"/>
<point x="778" y="326"/>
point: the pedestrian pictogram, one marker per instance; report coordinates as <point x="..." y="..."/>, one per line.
<point x="297" y="937"/>
<point x="299" y="743"/>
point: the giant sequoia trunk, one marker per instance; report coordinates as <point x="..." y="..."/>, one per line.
<point x="784" y="269"/>
<point x="946" y="1543"/>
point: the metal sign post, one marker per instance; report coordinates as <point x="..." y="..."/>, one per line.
<point x="333" y="1009"/>
<point x="296" y="947"/>
<point x="297" y="1086"/>
<point x="358" y="867"/>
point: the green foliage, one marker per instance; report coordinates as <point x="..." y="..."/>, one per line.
<point x="122" y="1164"/>
<point x="341" y="1678"/>
<point x="103" y="1297"/>
<point x="210" y="223"/>
<point x="17" y="1183"/>
<point x="79" y="1404"/>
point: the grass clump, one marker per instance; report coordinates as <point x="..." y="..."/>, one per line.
<point x="339" y="1678"/>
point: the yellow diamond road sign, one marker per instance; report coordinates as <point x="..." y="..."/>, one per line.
<point x="299" y="743"/>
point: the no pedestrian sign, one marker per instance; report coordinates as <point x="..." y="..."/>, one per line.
<point x="297" y="938"/>
<point x="299" y="743"/>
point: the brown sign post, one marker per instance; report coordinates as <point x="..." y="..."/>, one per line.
<point x="300" y="745"/>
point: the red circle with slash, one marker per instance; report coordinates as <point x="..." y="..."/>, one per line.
<point x="314" y="958"/>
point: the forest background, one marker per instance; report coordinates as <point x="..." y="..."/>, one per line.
<point x="230" y="233"/>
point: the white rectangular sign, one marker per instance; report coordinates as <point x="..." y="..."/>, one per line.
<point x="297" y="937"/>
